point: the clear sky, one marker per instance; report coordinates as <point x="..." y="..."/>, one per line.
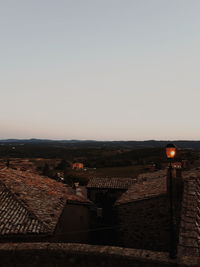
<point x="100" y="69"/>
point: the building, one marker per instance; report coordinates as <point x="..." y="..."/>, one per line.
<point x="82" y="255"/>
<point x="105" y="191"/>
<point x="37" y="208"/>
<point x="142" y="216"/>
<point x="16" y="221"/>
<point x="77" y="166"/>
<point x="143" y="213"/>
<point x="177" y="165"/>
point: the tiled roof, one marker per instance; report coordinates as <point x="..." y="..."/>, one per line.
<point x="15" y="218"/>
<point x="143" y="190"/>
<point x="112" y="183"/>
<point x="189" y="237"/>
<point x="40" y="195"/>
<point x="151" y="175"/>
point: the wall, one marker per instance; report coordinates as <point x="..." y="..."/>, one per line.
<point x="79" y="255"/>
<point x="74" y="224"/>
<point x="144" y="224"/>
<point x="105" y="233"/>
<point x="104" y="197"/>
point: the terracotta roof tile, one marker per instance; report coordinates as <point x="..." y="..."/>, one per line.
<point x="113" y="183"/>
<point x="151" y="175"/>
<point x="41" y="195"/>
<point x="15" y="218"/>
<point x="143" y="190"/>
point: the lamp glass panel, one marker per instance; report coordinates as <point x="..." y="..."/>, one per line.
<point x="171" y="152"/>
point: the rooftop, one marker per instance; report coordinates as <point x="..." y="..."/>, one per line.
<point x="189" y="235"/>
<point x="151" y="175"/>
<point x="41" y="196"/>
<point x="143" y="190"/>
<point x="111" y="183"/>
<point x="15" y="218"/>
<point x="189" y="238"/>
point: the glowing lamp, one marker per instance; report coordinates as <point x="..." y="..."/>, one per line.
<point x="170" y="151"/>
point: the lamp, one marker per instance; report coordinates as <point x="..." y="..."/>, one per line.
<point x="171" y="153"/>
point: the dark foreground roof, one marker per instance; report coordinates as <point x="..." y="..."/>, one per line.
<point x="15" y="218"/>
<point x="111" y="183"/>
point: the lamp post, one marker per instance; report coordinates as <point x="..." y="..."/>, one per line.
<point x="171" y="153"/>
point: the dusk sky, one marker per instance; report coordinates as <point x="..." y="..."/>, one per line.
<point x="100" y="69"/>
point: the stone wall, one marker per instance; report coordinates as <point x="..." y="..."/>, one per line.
<point x="79" y="255"/>
<point x="144" y="224"/>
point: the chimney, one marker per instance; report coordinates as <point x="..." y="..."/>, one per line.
<point x="78" y="190"/>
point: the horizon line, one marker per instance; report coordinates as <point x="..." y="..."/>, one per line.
<point x="96" y="140"/>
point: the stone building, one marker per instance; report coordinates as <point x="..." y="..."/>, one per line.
<point x="37" y="208"/>
<point x="38" y="220"/>
<point x="142" y="214"/>
<point x="104" y="192"/>
<point x="177" y="165"/>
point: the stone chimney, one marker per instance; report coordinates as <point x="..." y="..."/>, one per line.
<point x="79" y="191"/>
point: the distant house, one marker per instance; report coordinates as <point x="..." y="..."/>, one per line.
<point x="177" y="165"/>
<point x="77" y="166"/>
<point x="37" y="208"/>
<point x="184" y="164"/>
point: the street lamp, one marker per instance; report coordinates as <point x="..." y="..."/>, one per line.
<point x="171" y="153"/>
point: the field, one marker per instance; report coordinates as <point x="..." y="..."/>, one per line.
<point x="55" y="159"/>
<point x="128" y="171"/>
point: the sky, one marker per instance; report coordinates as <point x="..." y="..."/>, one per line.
<point x="100" y="69"/>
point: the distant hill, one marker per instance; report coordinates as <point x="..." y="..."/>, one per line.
<point x="188" y="144"/>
